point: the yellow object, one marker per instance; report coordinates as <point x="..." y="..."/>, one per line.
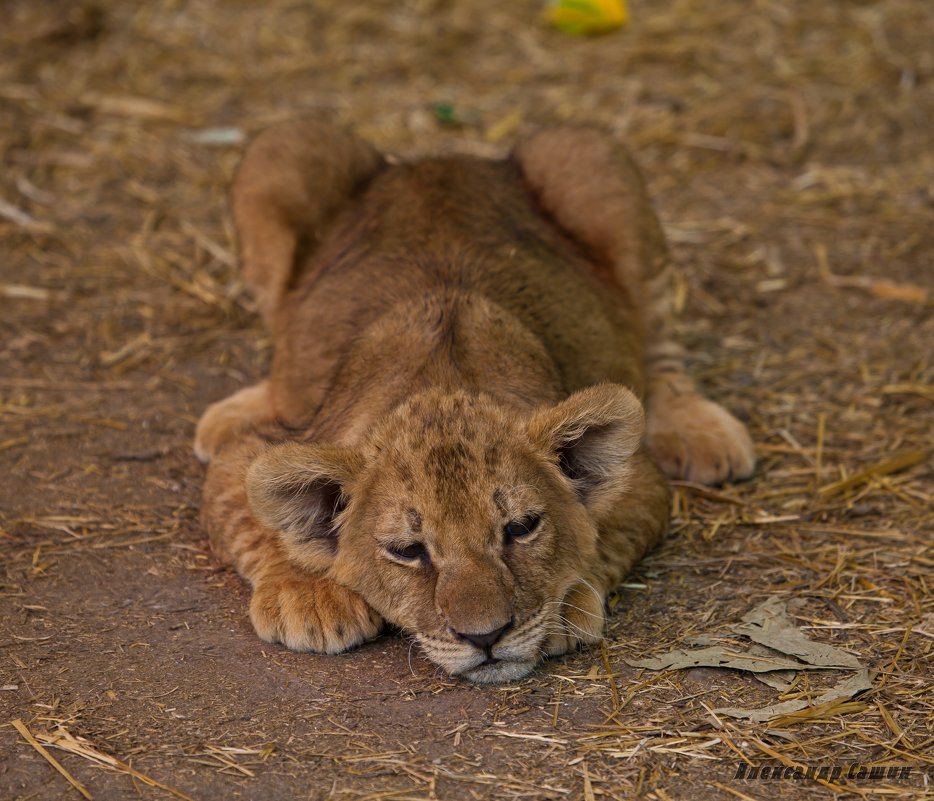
<point x="586" y="17"/>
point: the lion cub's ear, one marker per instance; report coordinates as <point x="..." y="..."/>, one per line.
<point x="300" y="491"/>
<point x="593" y="433"/>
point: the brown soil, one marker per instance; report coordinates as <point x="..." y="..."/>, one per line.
<point x="788" y="147"/>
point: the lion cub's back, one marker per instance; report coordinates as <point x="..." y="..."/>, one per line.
<point x="472" y="224"/>
<point x="462" y="224"/>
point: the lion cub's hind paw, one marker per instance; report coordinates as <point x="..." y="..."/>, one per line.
<point x="695" y="439"/>
<point x="581" y="622"/>
<point x="312" y="614"/>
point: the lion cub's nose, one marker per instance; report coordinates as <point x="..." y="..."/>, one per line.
<point x="485" y="641"/>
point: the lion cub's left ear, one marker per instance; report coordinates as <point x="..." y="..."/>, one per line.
<point x="594" y="434"/>
<point x="300" y="492"/>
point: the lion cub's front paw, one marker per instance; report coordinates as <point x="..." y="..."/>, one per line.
<point x="223" y="420"/>
<point x="581" y="622"/>
<point x="309" y="613"/>
<point x="698" y="440"/>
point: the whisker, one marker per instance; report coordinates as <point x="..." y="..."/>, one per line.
<point x="565" y="604"/>
<point x="601" y="599"/>
<point x="575" y="628"/>
<point x="411" y="669"/>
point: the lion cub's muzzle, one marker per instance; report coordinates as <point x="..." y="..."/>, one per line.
<point x="504" y="654"/>
<point x="485" y="642"/>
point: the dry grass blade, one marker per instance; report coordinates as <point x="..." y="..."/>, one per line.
<point x="819" y="712"/>
<point x="791" y="763"/>
<point x="924" y="390"/>
<point x="542" y="738"/>
<point x="66" y="741"/>
<point x="614" y="690"/>
<point x="588" y="787"/>
<point x="142" y="107"/>
<point x="892" y="465"/>
<point x="21" y="292"/>
<point x="20" y="218"/>
<point x="27" y="736"/>
<point x="879" y="287"/>
<point x="13" y="442"/>
<point x="734" y="792"/>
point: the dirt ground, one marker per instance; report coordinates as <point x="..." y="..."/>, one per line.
<point x="788" y="147"/>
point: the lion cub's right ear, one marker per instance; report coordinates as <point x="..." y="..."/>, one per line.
<point x="300" y="491"/>
<point x="291" y="183"/>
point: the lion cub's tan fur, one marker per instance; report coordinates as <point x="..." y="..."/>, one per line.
<point x="450" y="437"/>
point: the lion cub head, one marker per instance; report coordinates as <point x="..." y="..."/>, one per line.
<point x="461" y="521"/>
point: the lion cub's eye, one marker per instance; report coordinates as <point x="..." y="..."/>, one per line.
<point x="413" y="552"/>
<point x="521" y="528"/>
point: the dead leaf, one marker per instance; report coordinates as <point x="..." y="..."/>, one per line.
<point x="768" y="624"/>
<point x="780" y="648"/>
<point x="716" y="656"/>
<point x="845" y="690"/>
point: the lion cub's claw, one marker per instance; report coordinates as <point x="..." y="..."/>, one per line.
<point x="581" y="623"/>
<point x="696" y="439"/>
<point x="308" y="613"/>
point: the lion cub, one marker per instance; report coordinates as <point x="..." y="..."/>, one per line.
<point x="452" y="436"/>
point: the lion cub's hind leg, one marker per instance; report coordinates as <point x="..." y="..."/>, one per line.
<point x="590" y="186"/>
<point x="224" y="420"/>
